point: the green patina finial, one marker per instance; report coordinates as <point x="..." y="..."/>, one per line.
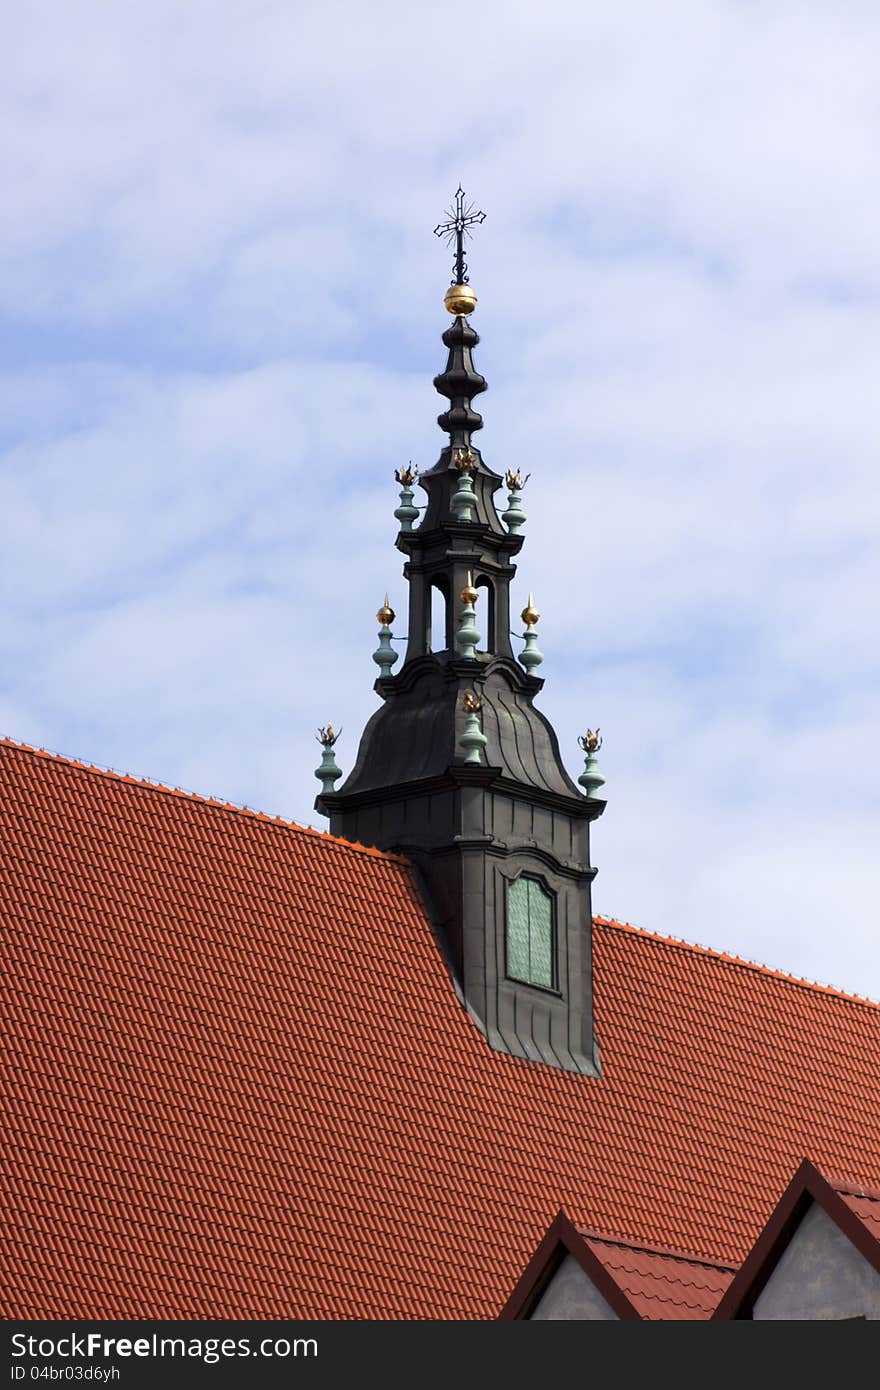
<point x="406" y="513"/>
<point x="472" y="738"/>
<point x="328" y="772"/>
<point x="385" y="655"/>
<point x="514" y="517"/>
<point x="467" y="637"/>
<point x="464" y="500"/>
<point x="530" y="657"/>
<point x="591" y="778"/>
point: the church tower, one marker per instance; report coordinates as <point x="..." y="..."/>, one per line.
<point x="457" y="769"/>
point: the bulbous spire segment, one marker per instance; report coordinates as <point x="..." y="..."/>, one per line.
<point x="459" y="383"/>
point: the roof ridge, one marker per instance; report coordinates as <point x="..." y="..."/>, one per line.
<point x="651" y="1248"/>
<point x="113" y="774"/>
<point x="741" y="961"/>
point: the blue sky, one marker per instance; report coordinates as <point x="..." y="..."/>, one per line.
<point x="220" y="313"/>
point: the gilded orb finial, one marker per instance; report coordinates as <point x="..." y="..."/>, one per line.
<point x="530" y="614"/>
<point x="591" y="741"/>
<point x="460" y="300"/>
<point x="385" y="656"/>
<point x="469" y="594"/>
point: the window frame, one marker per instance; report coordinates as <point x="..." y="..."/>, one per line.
<point x="525" y="875"/>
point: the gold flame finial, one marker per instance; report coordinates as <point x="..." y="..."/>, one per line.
<point x="469" y="594"/>
<point x="386" y="615"/>
<point x="530" y="614"/>
<point x="471" y="702"/>
<point x="515" y="481"/>
<point x="465" y="460"/>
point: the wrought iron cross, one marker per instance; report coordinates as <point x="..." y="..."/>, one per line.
<point x="461" y="217"/>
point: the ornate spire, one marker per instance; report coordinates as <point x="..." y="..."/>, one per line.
<point x="460" y="382"/>
<point x="458" y="529"/>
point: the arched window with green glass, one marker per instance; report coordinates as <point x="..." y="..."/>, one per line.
<point x="530" y="945"/>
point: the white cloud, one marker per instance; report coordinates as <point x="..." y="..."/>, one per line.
<point x="221" y="319"/>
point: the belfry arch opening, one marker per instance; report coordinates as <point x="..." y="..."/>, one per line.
<point x="486" y="612"/>
<point x="438" y="629"/>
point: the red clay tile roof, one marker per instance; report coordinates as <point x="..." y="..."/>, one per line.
<point x="662" y="1285"/>
<point x="636" y="1280"/>
<point x="865" y="1205"/>
<point x="242" y="1083"/>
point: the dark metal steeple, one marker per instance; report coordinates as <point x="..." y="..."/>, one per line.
<point x="457" y="768"/>
<point x="452" y="541"/>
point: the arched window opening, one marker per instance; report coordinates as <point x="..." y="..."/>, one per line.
<point x="486" y="611"/>
<point x="531" y="954"/>
<point x="438" y="634"/>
